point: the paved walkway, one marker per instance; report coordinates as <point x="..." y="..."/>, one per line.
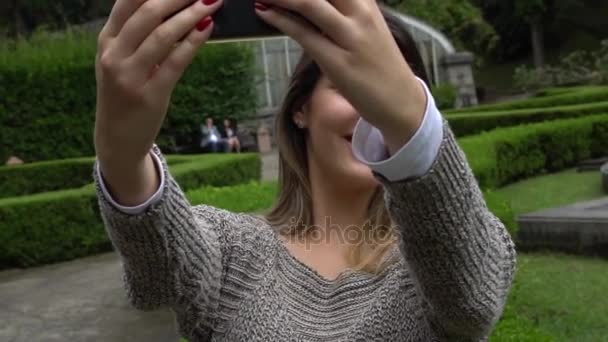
<point x="82" y="300"/>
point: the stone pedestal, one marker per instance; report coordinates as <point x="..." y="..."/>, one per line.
<point x="459" y="73"/>
<point x="264" y="141"/>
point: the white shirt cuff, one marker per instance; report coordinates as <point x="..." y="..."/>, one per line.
<point x="149" y="202"/>
<point x="414" y="159"/>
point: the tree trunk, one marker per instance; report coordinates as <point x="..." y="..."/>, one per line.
<point x="538" y="46"/>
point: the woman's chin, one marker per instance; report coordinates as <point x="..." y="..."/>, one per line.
<point x="360" y="175"/>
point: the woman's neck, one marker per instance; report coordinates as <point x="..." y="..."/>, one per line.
<point x="339" y="211"/>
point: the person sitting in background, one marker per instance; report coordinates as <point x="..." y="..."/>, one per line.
<point x="211" y="138"/>
<point x="231" y="138"/>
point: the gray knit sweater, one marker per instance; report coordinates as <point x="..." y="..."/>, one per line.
<point x="228" y="277"/>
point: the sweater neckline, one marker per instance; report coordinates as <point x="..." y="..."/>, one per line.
<point x="300" y="269"/>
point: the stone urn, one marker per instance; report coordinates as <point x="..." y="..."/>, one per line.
<point x="604" y="171"/>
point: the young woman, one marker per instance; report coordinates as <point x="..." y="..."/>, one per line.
<point x="380" y="231"/>
<point x="232" y="140"/>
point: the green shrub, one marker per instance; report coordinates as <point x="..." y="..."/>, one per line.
<point x="508" y="154"/>
<point x="584" y="95"/>
<point x="25" y="16"/>
<point x="45" y="176"/>
<point x="47" y="87"/>
<point x="445" y="96"/>
<point x="579" y="67"/>
<point x="50" y="227"/>
<point x="475" y="123"/>
<point x="63" y="225"/>
<point x="219" y="170"/>
<point x="54" y="175"/>
<point x="562" y="90"/>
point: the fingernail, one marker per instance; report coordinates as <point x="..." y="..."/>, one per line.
<point x="261" y="6"/>
<point x="204" y="23"/>
<point x="209" y="2"/>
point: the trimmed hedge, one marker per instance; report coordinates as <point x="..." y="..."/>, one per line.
<point x="47" y="87"/>
<point x="582" y="96"/>
<point x="27" y="179"/>
<point x="54" y="175"/>
<point x="475" y="123"/>
<point x="508" y="154"/>
<point x="564" y="90"/>
<point x="63" y="225"/>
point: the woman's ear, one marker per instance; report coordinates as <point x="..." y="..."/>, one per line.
<point x="299" y="118"/>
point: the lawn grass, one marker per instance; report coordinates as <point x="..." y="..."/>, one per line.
<point x="552" y="190"/>
<point x="561" y="296"/>
<point x="245" y="198"/>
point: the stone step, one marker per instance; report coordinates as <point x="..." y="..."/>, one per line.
<point x="581" y="228"/>
<point x="592" y="164"/>
<point x="604" y="171"/>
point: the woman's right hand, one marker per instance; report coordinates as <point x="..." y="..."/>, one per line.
<point x="140" y="57"/>
<point x="139" y="61"/>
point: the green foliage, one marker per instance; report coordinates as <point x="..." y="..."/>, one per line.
<point x="445" y="95"/>
<point x="50" y="227"/>
<point x="508" y="154"/>
<point x="219" y="170"/>
<point x="562" y="22"/>
<point x="459" y="20"/>
<point x="63" y="225"/>
<point x="47" y="87"/>
<point x="21" y="17"/>
<point x="579" y="67"/>
<point x="46" y="176"/>
<point x="549" y="98"/>
<point x="470" y="124"/>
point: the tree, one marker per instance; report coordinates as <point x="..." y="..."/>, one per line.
<point x="458" y="19"/>
<point x="543" y="24"/>
<point x="533" y="12"/>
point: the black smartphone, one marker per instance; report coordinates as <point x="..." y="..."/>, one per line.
<point x="237" y="20"/>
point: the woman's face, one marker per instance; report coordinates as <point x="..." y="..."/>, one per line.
<point x="330" y="120"/>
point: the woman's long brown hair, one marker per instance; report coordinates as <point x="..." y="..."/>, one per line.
<point x="292" y="213"/>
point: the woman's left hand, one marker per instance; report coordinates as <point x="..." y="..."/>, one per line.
<point x="353" y="46"/>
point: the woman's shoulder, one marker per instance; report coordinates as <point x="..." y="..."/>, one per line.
<point x="246" y="231"/>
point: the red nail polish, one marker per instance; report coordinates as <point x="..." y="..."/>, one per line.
<point x="209" y="2"/>
<point x="261" y="6"/>
<point x="204" y="23"/>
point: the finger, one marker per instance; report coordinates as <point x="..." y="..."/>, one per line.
<point x="162" y="40"/>
<point x="322" y="14"/>
<point x="313" y="41"/>
<point x="121" y="12"/>
<point x="171" y="70"/>
<point x="150" y="16"/>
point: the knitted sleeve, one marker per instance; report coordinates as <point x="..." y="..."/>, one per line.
<point x="171" y="256"/>
<point x="460" y="255"/>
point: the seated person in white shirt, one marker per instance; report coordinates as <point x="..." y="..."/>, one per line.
<point x="211" y="140"/>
